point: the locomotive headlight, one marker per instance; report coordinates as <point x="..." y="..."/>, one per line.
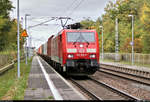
<point x="70" y="56"/>
<point x="92" y="56"/>
<point x="81" y="46"/>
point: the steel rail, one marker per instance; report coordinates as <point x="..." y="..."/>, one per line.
<point x="136" y="76"/>
<point x="126" y="73"/>
<point x="125" y="68"/>
<point x="115" y="89"/>
<point x="92" y="95"/>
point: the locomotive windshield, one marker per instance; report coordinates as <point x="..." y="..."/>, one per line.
<point x="81" y="37"/>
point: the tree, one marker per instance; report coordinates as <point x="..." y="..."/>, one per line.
<point x="4" y="29"/>
<point x="87" y="24"/>
<point x="8" y="28"/>
<point x="5" y="8"/>
<point x="145" y="19"/>
<point x="121" y="9"/>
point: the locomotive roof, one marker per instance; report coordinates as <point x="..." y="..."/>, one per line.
<point x="73" y="30"/>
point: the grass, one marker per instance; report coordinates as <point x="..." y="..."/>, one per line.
<point x="50" y="97"/>
<point x="8" y="52"/>
<point x="33" y="88"/>
<point x="12" y="53"/>
<point x="12" y="88"/>
<point x="128" y="63"/>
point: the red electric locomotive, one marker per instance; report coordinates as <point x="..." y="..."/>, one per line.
<point x="75" y="52"/>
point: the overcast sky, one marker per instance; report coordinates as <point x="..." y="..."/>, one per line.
<point x="42" y="10"/>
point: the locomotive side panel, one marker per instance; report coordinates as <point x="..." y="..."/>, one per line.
<point x="60" y="49"/>
<point x="64" y="49"/>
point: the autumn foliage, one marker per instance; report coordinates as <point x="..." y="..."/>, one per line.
<point x="8" y="27"/>
<point x="121" y="9"/>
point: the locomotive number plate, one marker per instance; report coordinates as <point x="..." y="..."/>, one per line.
<point x="81" y="55"/>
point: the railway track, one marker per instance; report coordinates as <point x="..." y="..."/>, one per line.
<point x="100" y="91"/>
<point x="143" y="73"/>
<point x="90" y="94"/>
<point x="125" y="75"/>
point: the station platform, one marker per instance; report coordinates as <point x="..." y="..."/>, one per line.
<point x="145" y="69"/>
<point x="45" y="83"/>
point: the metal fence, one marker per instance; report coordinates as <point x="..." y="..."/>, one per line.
<point x="127" y="57"/>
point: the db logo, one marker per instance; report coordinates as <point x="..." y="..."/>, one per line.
<point x="81" y="50"/>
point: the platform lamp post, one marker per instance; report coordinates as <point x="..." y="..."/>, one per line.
<point x="102" y="42"/>
<point x="18" y="42"/>
<point x="26" y="38"/>
<point x="132" y="43"/>
<point x="117" y="41"/>
<point x="22" y="21"/>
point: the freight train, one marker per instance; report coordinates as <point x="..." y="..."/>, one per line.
<point x="75" y="52"/>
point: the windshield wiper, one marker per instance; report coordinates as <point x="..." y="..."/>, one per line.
<point x="85" y="40"/>
<point x="77" y="39"/>
<point x="81" y="38"/>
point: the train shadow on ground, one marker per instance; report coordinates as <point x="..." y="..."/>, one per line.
<point x="64" y="75"/>
<point x="79" y="77"/>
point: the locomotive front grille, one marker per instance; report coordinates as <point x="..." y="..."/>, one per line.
<point x="82" y="63"/>
<point x="82" y="66"/>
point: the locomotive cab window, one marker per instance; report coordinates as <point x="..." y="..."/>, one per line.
<point x="80" y="36"/>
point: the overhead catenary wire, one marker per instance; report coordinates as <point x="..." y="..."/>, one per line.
<point x="52" y="17"/>
<point x="67" y="10"/>
<point x="71" y="12"/>
<point x="74" y="9"/>
<point x="77" y="6"/>
<point x="41" y="23"/>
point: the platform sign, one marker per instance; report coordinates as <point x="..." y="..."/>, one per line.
<point x="131" y="43"/>
<point x="24" y="34"/>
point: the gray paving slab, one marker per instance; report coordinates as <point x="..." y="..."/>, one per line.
<point x="38" y="94"/>
<point x="65" y="89"/>
<point x="38" y="88"/>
